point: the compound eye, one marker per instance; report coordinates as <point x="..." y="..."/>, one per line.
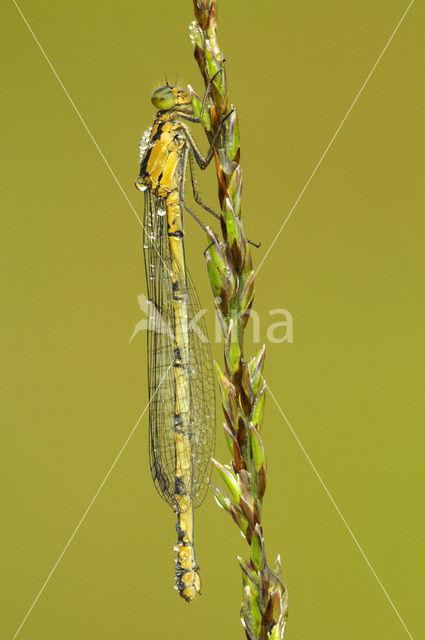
<point x="163" y="98"/>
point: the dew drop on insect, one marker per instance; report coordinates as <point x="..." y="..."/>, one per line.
<point x="141" y="186"/>
<point x="160" y="207"/>
<point x="145" y="137"/>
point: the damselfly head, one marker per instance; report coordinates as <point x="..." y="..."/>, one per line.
<point x="166" y="98"/>
<point x="163" y="98"/>
<point x="182" y="97"/>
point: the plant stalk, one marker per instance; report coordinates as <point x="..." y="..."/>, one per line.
<point x="264" y="608"/>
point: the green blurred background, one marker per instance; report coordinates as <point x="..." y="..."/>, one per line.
<point x="348" y="266"/>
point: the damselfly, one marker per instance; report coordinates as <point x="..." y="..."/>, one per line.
<point x="180" y="372"/>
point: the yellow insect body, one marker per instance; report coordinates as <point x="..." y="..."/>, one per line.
<point x="181" y="380"/>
